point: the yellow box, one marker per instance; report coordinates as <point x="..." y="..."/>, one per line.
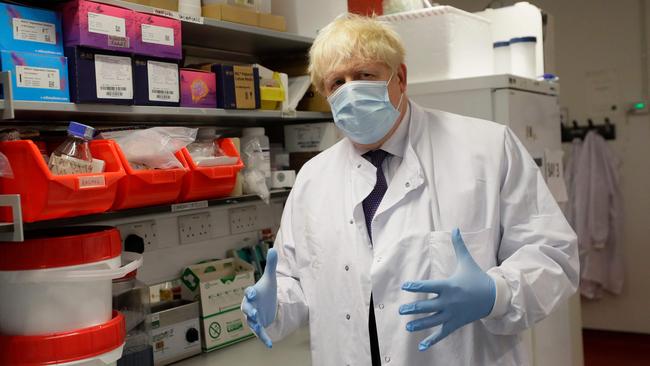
<point x="275" y="22"/>
<point x="164" y="4"/>
<point x="212" y="11"/>
<point x="272" y="97"/>
<point x="238" y="14"/>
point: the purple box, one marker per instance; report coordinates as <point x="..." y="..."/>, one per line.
<point x="99" y="76"/>
<point x="102" y="26"/>
<point x="157" y="36"/>
<point x="156" y="82"/>
<point x="198" y="89"/>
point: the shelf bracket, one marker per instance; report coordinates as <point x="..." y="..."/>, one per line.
<point x="12" y="231"/>
<point x="8" y="95"/>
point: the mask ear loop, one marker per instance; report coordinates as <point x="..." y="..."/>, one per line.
<point x="401" y="97"/>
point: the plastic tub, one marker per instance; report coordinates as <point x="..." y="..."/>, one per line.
<point x="92" y="346"/>
<point x="522" y="56"/>
<point x="209" y="182"/>
<point x="47" y="196"/>
<point x="140" y="188"/>
<point x="502" y="57"/>
<point x="59" y="280"/>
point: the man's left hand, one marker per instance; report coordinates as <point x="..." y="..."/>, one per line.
<point x="468" y="295"/>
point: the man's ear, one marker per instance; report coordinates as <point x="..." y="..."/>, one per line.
<point x="401" y="74"/>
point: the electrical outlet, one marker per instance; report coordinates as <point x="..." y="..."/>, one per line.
<point x="194" y="228"/>
<point x="139" y="236"/>
<point x="243" y="219"/>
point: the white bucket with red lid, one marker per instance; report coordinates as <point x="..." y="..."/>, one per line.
<point x="60" y="280"/>
<point x="99" y="345"/>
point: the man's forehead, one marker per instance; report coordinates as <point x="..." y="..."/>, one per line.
<point x="356" y="65"/>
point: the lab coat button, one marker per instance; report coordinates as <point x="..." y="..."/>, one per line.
<point x="381" y="306"/>
<point x="347" y="268"/>
<point x="378" y="259"/>
<point x="407" y="184"/>
<point x="347" y="316"/>
<point x="351" y="222"/>
<point x="387" y="359"/>
<point x="359" y="166"/>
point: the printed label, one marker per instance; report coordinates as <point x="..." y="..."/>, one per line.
<point x="170" y="341"/>
<point x="33" y="31"/>
<point x="166" y="13"/>
<point x="37" y="77"/>
<point x="92" y="181"/>
<point x="114" y="77"/>
<point x="119" y="42"/>
<point x="163" y="81"/>
<point x="157" y="35"/>
<point x="189" y="206"/>
<point x="63" y="164"/>
<point x="106" y="24"/>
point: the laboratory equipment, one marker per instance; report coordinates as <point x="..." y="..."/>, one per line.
<point x="522" y="56"/>
<point x="131" y="299"/>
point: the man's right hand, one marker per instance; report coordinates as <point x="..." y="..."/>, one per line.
<point x="261" y="300"/>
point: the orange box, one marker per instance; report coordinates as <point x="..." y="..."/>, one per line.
<point x="212" y="11"/>
<point x="140" y="188"/>
<point x="45" y="196"/>
<point x="202" y="183"/>
<point x="313" y="101"/>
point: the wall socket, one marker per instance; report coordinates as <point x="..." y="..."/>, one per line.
<point x="243" y="219"/>
<point x="145" y="230"/>
<point x="194" y="228"/>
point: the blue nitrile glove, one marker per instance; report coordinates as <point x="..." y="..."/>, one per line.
<point x="468" y="295"/>
<point x="261" y="300"/>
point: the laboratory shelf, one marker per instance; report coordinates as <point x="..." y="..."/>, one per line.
<point x="127" y="115"/>
<point x="181" y="209"/>
<point x="228" y="36"/>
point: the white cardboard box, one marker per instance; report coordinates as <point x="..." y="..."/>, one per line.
<point x="219" y="285"/>
<point x="311" y="137"/>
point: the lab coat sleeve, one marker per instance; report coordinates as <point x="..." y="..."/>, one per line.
<point x="292" y="309"/>
<point x="537" y="257"/>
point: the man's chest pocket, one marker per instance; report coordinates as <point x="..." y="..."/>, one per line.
<point x="481" y="245"/>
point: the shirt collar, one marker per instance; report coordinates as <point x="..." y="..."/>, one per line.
<point x="396" y="144"/>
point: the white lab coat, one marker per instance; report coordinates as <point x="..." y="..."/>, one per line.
<point x="597" y="215"/>
<point x="456" y="172"/>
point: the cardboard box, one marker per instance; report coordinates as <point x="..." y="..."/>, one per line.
<point x="212" y="11"/>
<point x="314" y="101"/>
<point x="238" y="86"/>
<point x="220" y="286"/>
<point x="37" y="77"/>
<point x="156" y="82"/>
<point x="96" y="25"/>
<point x="275" y="22"/>
<point x="99" y="76"/>
<point x="198" y="89"/>
<point x="238" y="14"/>
<point x="165" y="4"/>
<point x="311" y="137"/>
<point x="157" y="36"/>
<point x="30" y="30"/>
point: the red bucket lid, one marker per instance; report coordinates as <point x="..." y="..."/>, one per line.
<point x="52" y="349"/>
<point x="61" y="247"/>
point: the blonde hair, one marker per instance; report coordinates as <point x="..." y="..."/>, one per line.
<point x="353" y="38"/>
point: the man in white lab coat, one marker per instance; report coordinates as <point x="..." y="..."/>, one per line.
<point x="368" y="253"/>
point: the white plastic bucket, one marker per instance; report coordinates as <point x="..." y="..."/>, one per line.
<point x="106" y="359"/>
<point x="60" y="299"/>
<point x="523" y="56"/>
<point x="502" y="58"/>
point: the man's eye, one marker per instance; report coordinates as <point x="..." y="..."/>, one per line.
<point x="336" y="83"/>
<point x="366" y="75"/>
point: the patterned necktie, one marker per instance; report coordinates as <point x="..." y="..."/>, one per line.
<point x="371" y="203"/>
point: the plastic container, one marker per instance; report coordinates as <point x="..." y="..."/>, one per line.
<point x="47" y="196"/>
<point x="209" y="182"/>
<point x="131" y="298"/>
<point x="148" y="187"/>
<point x="249" y="134"/>
<point x="59" y="280"/>
<point x="73" y="155"/>
<point x="443" y="42"/>
<point x="502" y="57"/>
<point x="99" y="345"/>
<point x="522" y="56"/>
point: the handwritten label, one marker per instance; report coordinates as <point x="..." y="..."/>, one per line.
<point x="191" y="18"/>
<point x="92" y="181"/>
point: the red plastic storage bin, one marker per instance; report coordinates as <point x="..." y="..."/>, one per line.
<point x="45" y="196"/>
<point x="202" y="183"/>
<point x="142" y="188"/>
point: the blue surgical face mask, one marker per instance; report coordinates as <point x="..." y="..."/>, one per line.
<point x="363" y="111"/>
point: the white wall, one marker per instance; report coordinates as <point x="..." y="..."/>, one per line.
<point x="596" y="36"/>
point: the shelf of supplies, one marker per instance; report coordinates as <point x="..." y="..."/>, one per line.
<point x="181" y="208"/>
<point x="228" y="36"/>
<point x="119" y="114"/>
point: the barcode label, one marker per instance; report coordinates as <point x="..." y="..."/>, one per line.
<point x="163" y="81"/>
<point x="114" y="77"/>
<point x="106" y="24"/>
<point x="37" y="77"/>
<point x="33" y="31"/>
<point x="157" y="35"/>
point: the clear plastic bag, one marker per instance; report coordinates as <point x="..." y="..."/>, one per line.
<point x="5" y="167"/>
<point x="153" y="148"/>
<point x="254" y="178"/>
